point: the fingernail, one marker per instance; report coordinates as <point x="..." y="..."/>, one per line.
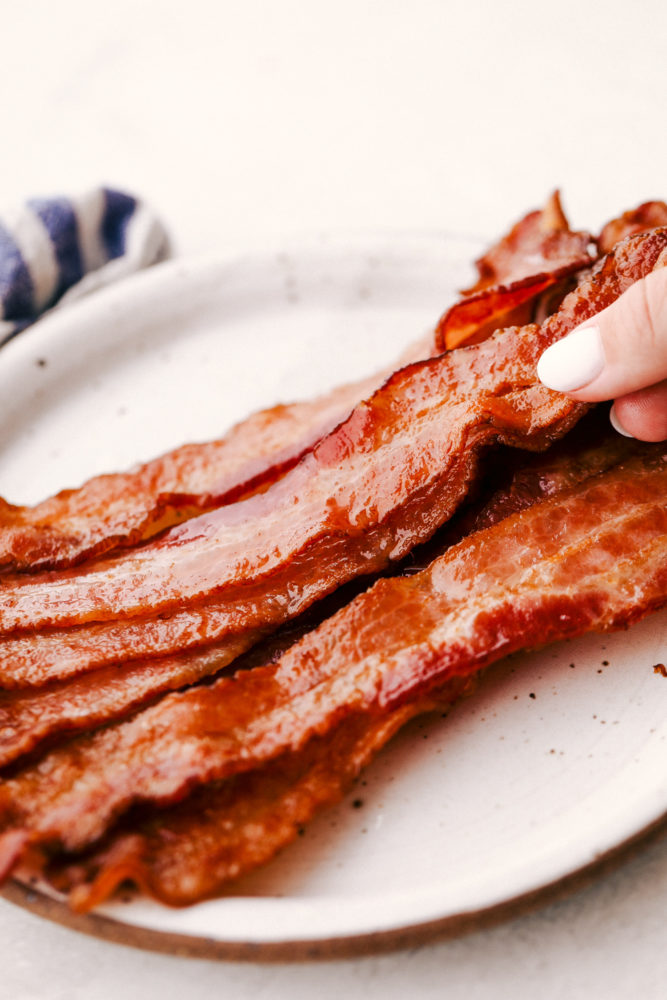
<point x="616" y="424"/>
<point x="572" y="362"/>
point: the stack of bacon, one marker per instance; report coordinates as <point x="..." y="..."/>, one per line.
<point x="130" y="752"/>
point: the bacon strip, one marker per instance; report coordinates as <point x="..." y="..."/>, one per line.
<point x="349" y="506"/>
<point x="518" y="481"/>
<point x="125" y="508"/>
<point x="378" y="485"/>
<point x="40" y="658"/>
<point x="36" y="659"/>
<point x="593" y="558"/>
<point x="183" y="855"/>
<point x="540" y="242"/>
<point x="118" y="510"/>
<point x="649" y="215"/>
<point x="122" y="509"/>
<point x="473" y="319"/>
<point x="537" y="254"/>
<point x="28" y="718"/>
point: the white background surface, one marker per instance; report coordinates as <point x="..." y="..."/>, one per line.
<point x="242" y="122"/>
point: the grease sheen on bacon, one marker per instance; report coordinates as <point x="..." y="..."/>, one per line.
<point x="540" y="242"/>
<point x="378" y="485"/>
<point x="29" y="717"/>
<point x="122" y="509"/>
<point x="183" y="855"/>
<point x="648" y="215"/>
<point x="594" y="557"/>
<point x="36" y="659"/>
<point x="381" y="483"/>
<point x="119" y="510"/>
<point x="394" y="451"/>
<point x="538" y="253"/>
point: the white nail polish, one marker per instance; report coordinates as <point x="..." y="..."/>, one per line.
<point x="572" y="362"/>
<point x="616" y="424"/>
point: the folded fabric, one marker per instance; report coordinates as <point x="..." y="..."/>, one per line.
<point x="53" y="250"/>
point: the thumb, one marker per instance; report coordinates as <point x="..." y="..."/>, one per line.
<point x="620" y="351"/>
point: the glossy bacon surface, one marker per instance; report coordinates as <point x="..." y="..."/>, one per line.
<point x="119" y="510"/>
<point x="122" y="509"/>
<point x="540" y="242"/>
<point x="32" y="660"/>
<point x="594" y="557"/>
<point x="474" y="318"/>
<point x="188" y="853"/>
<point x="517" y="481"/>
<point x="292" y="734"/>
<point x="125" y="508"/>
<point x="29" y="717"/>
<point x="648" y="215"/>
<point x="300" y="580"/>
<point x="539" y="251"/>
<point x="381" y="483"/>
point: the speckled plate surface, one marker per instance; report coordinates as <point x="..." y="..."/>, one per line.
<point x="555" y="765"/>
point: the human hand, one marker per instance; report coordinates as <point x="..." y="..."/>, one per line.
<point x="620" y="354"/>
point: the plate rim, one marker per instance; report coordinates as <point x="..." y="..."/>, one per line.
<point x="137" y="287"/>
<point x="300" y="949"/>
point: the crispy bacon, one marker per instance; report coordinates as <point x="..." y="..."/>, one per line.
<point x="32" y="660"/>
<point x="381" y="483"/>
<point x="120" y="510"/>
<point x="186" y="854"/>
<point x="264" y="749"/>
<point x="649" y="215"/>
<point x="58" y="654"/>
<point x="517" y="481"/>
<point x="367" y="493"/>
<point x="474" y="318"/>
<point x="126" y="508"/>
<point x="537" y="254"/>
<point x="540" y="242"/>
<point x="28" y="718"/>
<point x="594" y="557"/>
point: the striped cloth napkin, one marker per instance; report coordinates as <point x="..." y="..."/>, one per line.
<point x="53" y="250"/>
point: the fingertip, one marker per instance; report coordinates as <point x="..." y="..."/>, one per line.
<point x="616" y="423"/>
<point x="573" y="362"/>
<point x="643" y="414"/>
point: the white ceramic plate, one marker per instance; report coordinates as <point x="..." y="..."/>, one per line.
<point x="558" y="760"/>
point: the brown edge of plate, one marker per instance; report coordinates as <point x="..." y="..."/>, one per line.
<point x="358" y="945"/>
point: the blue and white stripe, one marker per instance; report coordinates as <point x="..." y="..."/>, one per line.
<point x="55" y="249"/>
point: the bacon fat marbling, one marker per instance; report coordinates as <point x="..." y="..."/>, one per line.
<point x="381" y="483"/>
<point x="28" y="717"/>
<point x="594" y="557"/>
<point x="123" y="509"/>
